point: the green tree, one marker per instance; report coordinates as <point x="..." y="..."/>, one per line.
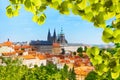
<point x="72" y="75"/>
<point x="80" y="50"/>
<point x="85" y="48"/>
<point x="22" y="72"/>
<point x="64" y="72"/>
<point x="74" y="53"/>
<point x="92" y="76"/>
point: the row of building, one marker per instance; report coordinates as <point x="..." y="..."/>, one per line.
<point x="30" y="57"/>
<point x="41" y="52"/>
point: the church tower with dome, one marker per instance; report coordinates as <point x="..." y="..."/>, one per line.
<point x="57" y="39"/>
<point x="61" y="38"/>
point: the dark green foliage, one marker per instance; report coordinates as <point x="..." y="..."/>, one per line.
<point x="80" y="54"/>
<point x="63" y="51"/>
<point x="64" y="72"/>
<point x="85" y="48"/>
<point x="74" y="53"/>
<point x="117" y="45"/>
<point x="22" y="72"/>
<point x="111" y="50"/>
<point x="72" y="75"/>
<point x="80" y="50"/>
<point x="92" y="76"/>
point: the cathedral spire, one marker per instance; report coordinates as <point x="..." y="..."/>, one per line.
<point x="54" y="36"/>
<point x="61" y="38"/>
<point x="61" y="31"/>
<point x="8" y="40"/>
<point x="49" y="36"/>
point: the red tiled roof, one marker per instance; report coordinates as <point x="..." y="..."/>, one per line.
<point x="8" y="43"/>
<point x="8" y="53"/>
<point x="29" y="57"/>
<point x="41" y="56"/>
<point x="26" y="46"/>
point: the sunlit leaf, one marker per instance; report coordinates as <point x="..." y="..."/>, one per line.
<point x="41" y="19"/>
<point x="9" y="11"/>
<point x="35" y="18"/>
<point x="15" y="12"/>
<point x="115" y="75"/>
<point x="98" y="58"/>
<point x="36" y="2"/>
<point x="82" y="4"/>
<point x="95" y="50"/>
<point x="108" y="32"/>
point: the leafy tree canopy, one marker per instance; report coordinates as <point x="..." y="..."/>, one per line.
<point x="80" y="50"/>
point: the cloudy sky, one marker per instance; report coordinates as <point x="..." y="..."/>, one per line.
<point x="22" y="28"/>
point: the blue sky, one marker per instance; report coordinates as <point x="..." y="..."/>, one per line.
<point x="22" y="28"/>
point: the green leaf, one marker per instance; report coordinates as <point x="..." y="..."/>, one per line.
<point x="82" y="4"/>
<point x="115" y="75"/>
<point x="88" y="9"/>
<point x="118" y="16"/>
<point x="13" y="1"/>
<point x="116" y="32"/>
<point x="75" y="10"/>
<point x="112" y="63"/>
<point x="42" y="8"/>
<point x="64" y="8"/>
<point x="17" y="7"/>
<point x="117" y="39"/>
<point x="36" y="2"/>
<point x="94" y="62"/>
<point x="28" y="4"/>
<point x="41" y="19"/>
<point x="15" y="13"/>
<point x="117" y="54"/>
<point x="103" y="68"/>
<point x="21" y="1"/>
<point x="55" y="5"/>
<point x="35" y="18"/>
<point x="9" y="11"/>
<point x="88" y="16"/>
<point x="105" y="39"/>
<point x="109" y="15"/>
<point x="93" y="1"/>
<point x="108" y="32"/>
<point x="95" y="50"/>
<point x="98" y="58"/>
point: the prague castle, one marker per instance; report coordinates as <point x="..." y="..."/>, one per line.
<point x="52" y="44"/>
<point x="57" y="39"/>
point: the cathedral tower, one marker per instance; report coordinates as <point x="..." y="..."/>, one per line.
<point x="54" y="37"/>
<point x="49" y="36"/>
<point x="61" y="38"/>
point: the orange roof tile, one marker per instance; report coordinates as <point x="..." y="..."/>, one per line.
<point x="29" y="57"/>
<point x="56" y="45"/>
<point x="31" y="52"/>
<point x="8" y="53"/>
<point x="19" y="51"/>
<point x="8" y="43"/>
<point x="64" y="61"/>
<point x="26" y="46"/>
<point x="84" y="70"/>
<point x="17" y="47"/>
<point x="71" y="58"/>
<point x="41" y="56"/>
